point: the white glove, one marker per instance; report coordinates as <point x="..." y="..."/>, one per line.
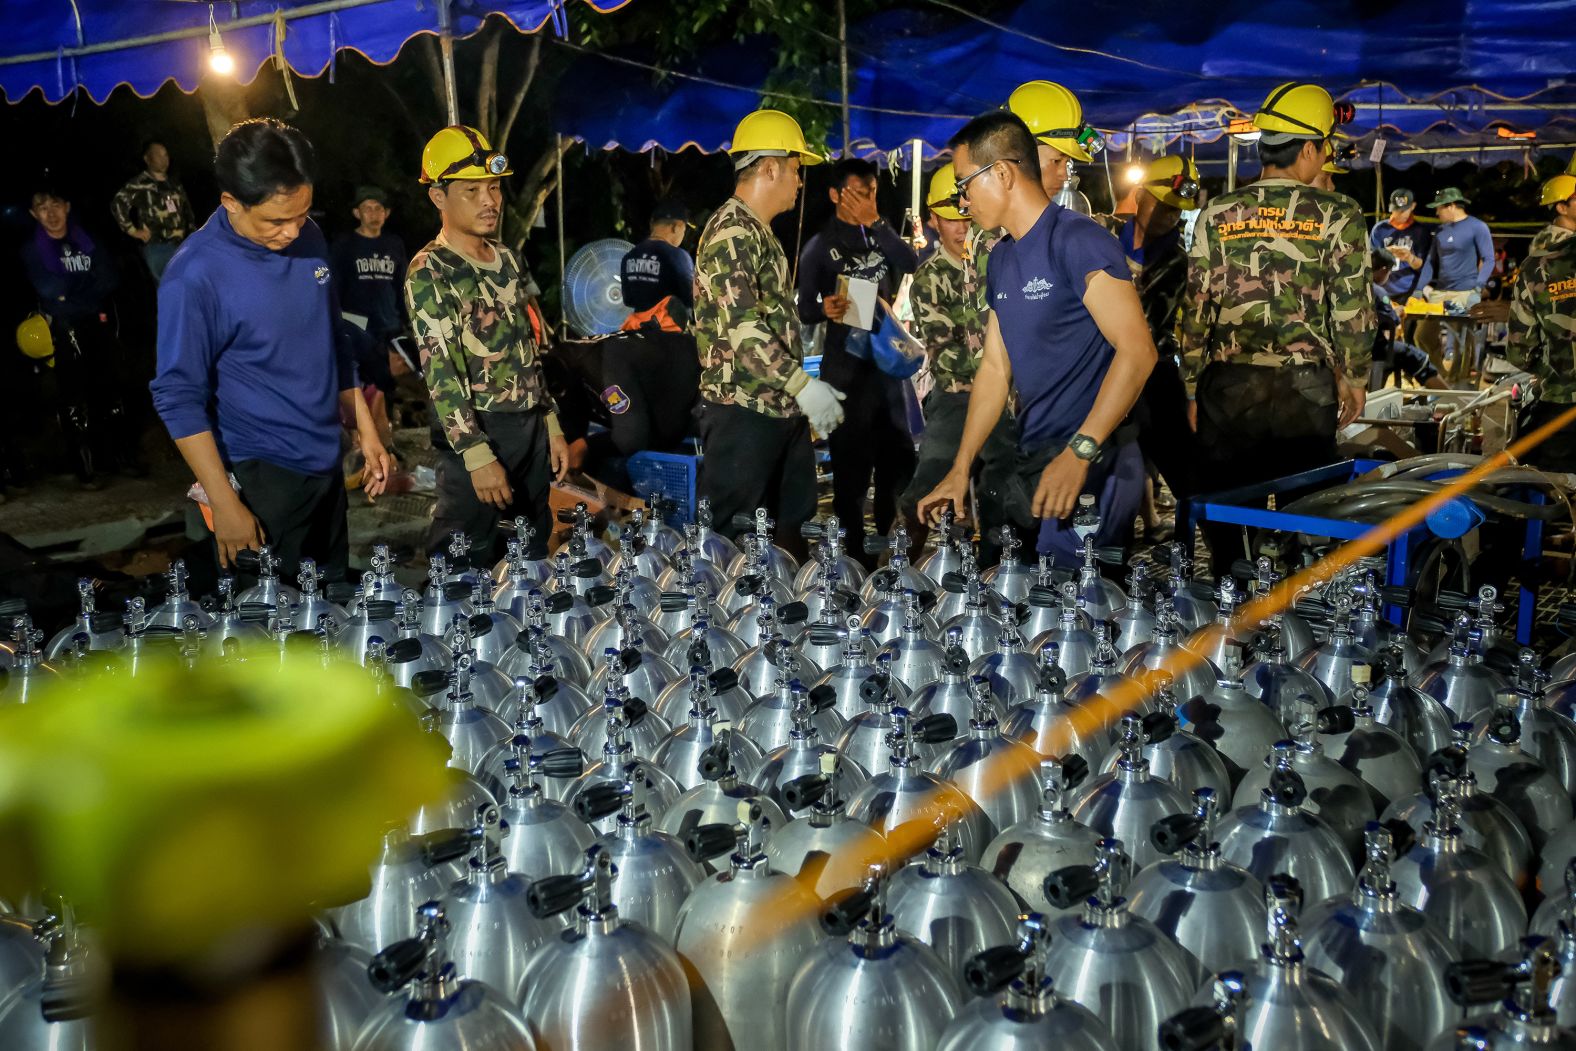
<point x="821" y="402"/>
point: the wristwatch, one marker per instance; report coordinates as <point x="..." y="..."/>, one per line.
<point x="1084" y="447"/>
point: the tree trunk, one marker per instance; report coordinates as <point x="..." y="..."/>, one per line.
<point x="536" y="185"/>
<point x="428" y="50"/>
<point x="223" y="105"/>
<point x="533" y="60"/>
<point x="487" y="88"/>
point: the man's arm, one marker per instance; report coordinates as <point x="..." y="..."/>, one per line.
<point x="1524" y="348"/>
<point x="739" y="278"/>
<point x="817" y="279"/>
<point x="902" y="255"/>
<point x="123" y="208"/>
<point x="1484" y="240"/>
<point x="1349" y="299"/>
<point x="987" y="401"/>
<point x="1198" y="306"/>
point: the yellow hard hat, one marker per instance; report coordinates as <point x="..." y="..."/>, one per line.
<point x="459" y="152"/>
<point x="771" y="133"/>
<point x="1055" y="116"/>
<point x="943" y="196"/>
<point x="1560" y="188"/>
<point x="33" y="338"/>
<point x="1173" y="180"/>
<point x="1296" y="110"/>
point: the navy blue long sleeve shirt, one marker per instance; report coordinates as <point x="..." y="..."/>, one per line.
<point x="1462" y="257"/>
<point x="248" y="348"/>
<point x="82" y="290"/>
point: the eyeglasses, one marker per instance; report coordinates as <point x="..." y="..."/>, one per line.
<point x="963" y="183"/>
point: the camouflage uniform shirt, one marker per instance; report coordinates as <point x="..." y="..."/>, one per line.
<point x="1545" y="239"/>
<point x="948" y="321"/>
<point x="1543" y="321"/>
<point x="1278" y="275"/>
<point x="746" y="325"/>
<point x="1160" y="279"/>
<point x="159" y="205"/>
<point x="478" y="349"/>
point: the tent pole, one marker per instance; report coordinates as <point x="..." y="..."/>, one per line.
<point x="1231" y="163"/>
<point x="918" y="197"/>
<point x="446" y="49"/>
<point x="563" y="265"/>
<point x="842" y="48"/>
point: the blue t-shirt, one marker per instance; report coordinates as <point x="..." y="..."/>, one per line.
<point x="1418" y="239"/>
<point x="654" y="270"/>
<point x="248" y="348"/>
<point x="1059" y="356"/>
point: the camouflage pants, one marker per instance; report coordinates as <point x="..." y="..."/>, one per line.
<point x="1257" y="423"/>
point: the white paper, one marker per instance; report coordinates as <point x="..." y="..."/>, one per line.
<point x="1376" y="154"/>
<point x="861" y="295"/>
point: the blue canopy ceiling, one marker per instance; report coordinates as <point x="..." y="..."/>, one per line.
<point x="1166" y="70"/>
<point x="57" y="46"/>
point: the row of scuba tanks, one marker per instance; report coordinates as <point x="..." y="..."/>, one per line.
<point x="891" y="811"/>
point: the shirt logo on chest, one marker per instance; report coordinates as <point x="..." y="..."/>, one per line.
<point x="321" y="274"/>
<point x="1037" y="288"/>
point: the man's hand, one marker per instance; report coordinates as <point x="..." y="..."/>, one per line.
<point x="834" y="307"/>
<point x="235" y="529"/>
<point x="1192" y="414"/>
<point x="379" y="467"/>
<point x="1353" y="398"/>
<point x="857" y="207"/>
<point x="1060" y="483"/>
<point x="143" y="234"/>
<point x="558" y="456"/>
<point x="822" y="404"/>
<point x="492" y="486"/>
<point x="952" y="492"/>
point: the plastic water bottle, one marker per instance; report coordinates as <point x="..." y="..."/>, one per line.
<point x="1086" y="520"/>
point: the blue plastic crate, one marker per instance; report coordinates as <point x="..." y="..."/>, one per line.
<point x="671" y="475"/>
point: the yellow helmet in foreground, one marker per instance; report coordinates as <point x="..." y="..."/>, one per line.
<point x="943" y="196"/>
<point x="460" y="152"/>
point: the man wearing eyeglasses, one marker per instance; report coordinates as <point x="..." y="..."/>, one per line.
<point x="1277" y="328"/>
<point x="1543" y="326"/>
<point x="494" y="422"/>
<point x="1066" y="330"/>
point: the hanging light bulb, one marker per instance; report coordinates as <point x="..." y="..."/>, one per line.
<point x="1134" y="174"/>
<point x="219" y="58"/>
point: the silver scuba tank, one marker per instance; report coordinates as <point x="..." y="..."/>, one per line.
<point x="519" y="577"/>
<point x="619" y="762"/>
<point x="1209" y="907"/>
<point x="609" y="981"/>
<point x="546" y="838"/>
<point x="410" y="871"/>
<point x="962" y="586"/>
<point x="950" y="693"/>
<point x="268" y="590"/>
<point x="1390" y="957"/>
<point x="1125" y="803"/>
<point x="829" y="635"/>
<point x="1013" y="673"/>
<point x="1075" y="644"/>
<point x="1333" y="662"/>
<point x="1522" y="783"/>
<point x="624" y="619"/>
<point x="869" y="985"/>
<point x="760" y="664"/>
<point x="1224" y="635"/>
<point x="104" y="631"/>
<point x="1163" y="652"/>
<point x="951" y="542"/>
<point x="1241" y="729"/>
<point x="643" y="730"/>
<point x="772" y="559"/>
<point x="1182" y="758"/>
<point x="978" y="627"/>
<point x="1102" y="598"/>
<point x="492" y="930"/>
<point x="1546" y="737"/>
<point x="884" y="618"/>
<point x="681" y="753"/>
<point x="367" y="619"/>
<point x="909" y="806"/>
<point x="343" y="991"/>
<point x="1462" y="682"/>
<point x="1017" y="1007"/>
<point x="897" y="572"/>
<point x="723" y="645"/>
<point x="1288" y="1004"/>
<point x="826" y="850"/>
<point x="1050" y="723"/>
<point x="1487" y="824"/>
<point x="1276" y="835"/>
<point x="443" y="599"/>
<point x="1334" y="792"/>
<point x="995" y="770"/>
<point x="847" y="680"/>
<point x="1022" y="855"/>
<point x="956" y="908"/>
<point x="1009" y="577"/>
<point x="1522" y="988"/>
<point x="1277" y="683"/>
<point x="53" y="1008"/>
<point x="1116" y="964"/>
<point x="1104" y="688"/>
<point x="916" y="660"/>
<point x="719" y="795"/>
<point x="805" y="755"/>
<point x="829" y="555"/>
<point x="1475" y="904"/>
<point x="537" y="646"/>
<point x="866" y="739"/>
<point x="1417" y="717"/>
<point x="1134" y="623"/>
<point x="655" y="874"/>
<point x="769" y="721"/>
<point x="1377" y="754"/>
<point x="471" y="730"/>
<point x="719" y="686"/>
<point x="311" y="607"/>
<point x="1042" y="610"/>
<point x="1193" y="603"/>
<point x="689" y="570"/>
<point x="442" y="1007"/>
<point x="636" y="556"/>
<point x="742" y="933"/>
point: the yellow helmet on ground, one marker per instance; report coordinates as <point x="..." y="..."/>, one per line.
<point x="943" y="196"/>
<point x="1055" y="116"/>
<point x="1299" y="111"/>
<point x="1560" y="188"/>
<point x="33" y="338"/>
<point x="460" y="152"/>
<point x="770" y="133"/>
<point x="1173" y="180"/>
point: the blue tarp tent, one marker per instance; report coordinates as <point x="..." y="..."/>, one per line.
<point x="1164" y="70"/>
<point x="58" y="46"/>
